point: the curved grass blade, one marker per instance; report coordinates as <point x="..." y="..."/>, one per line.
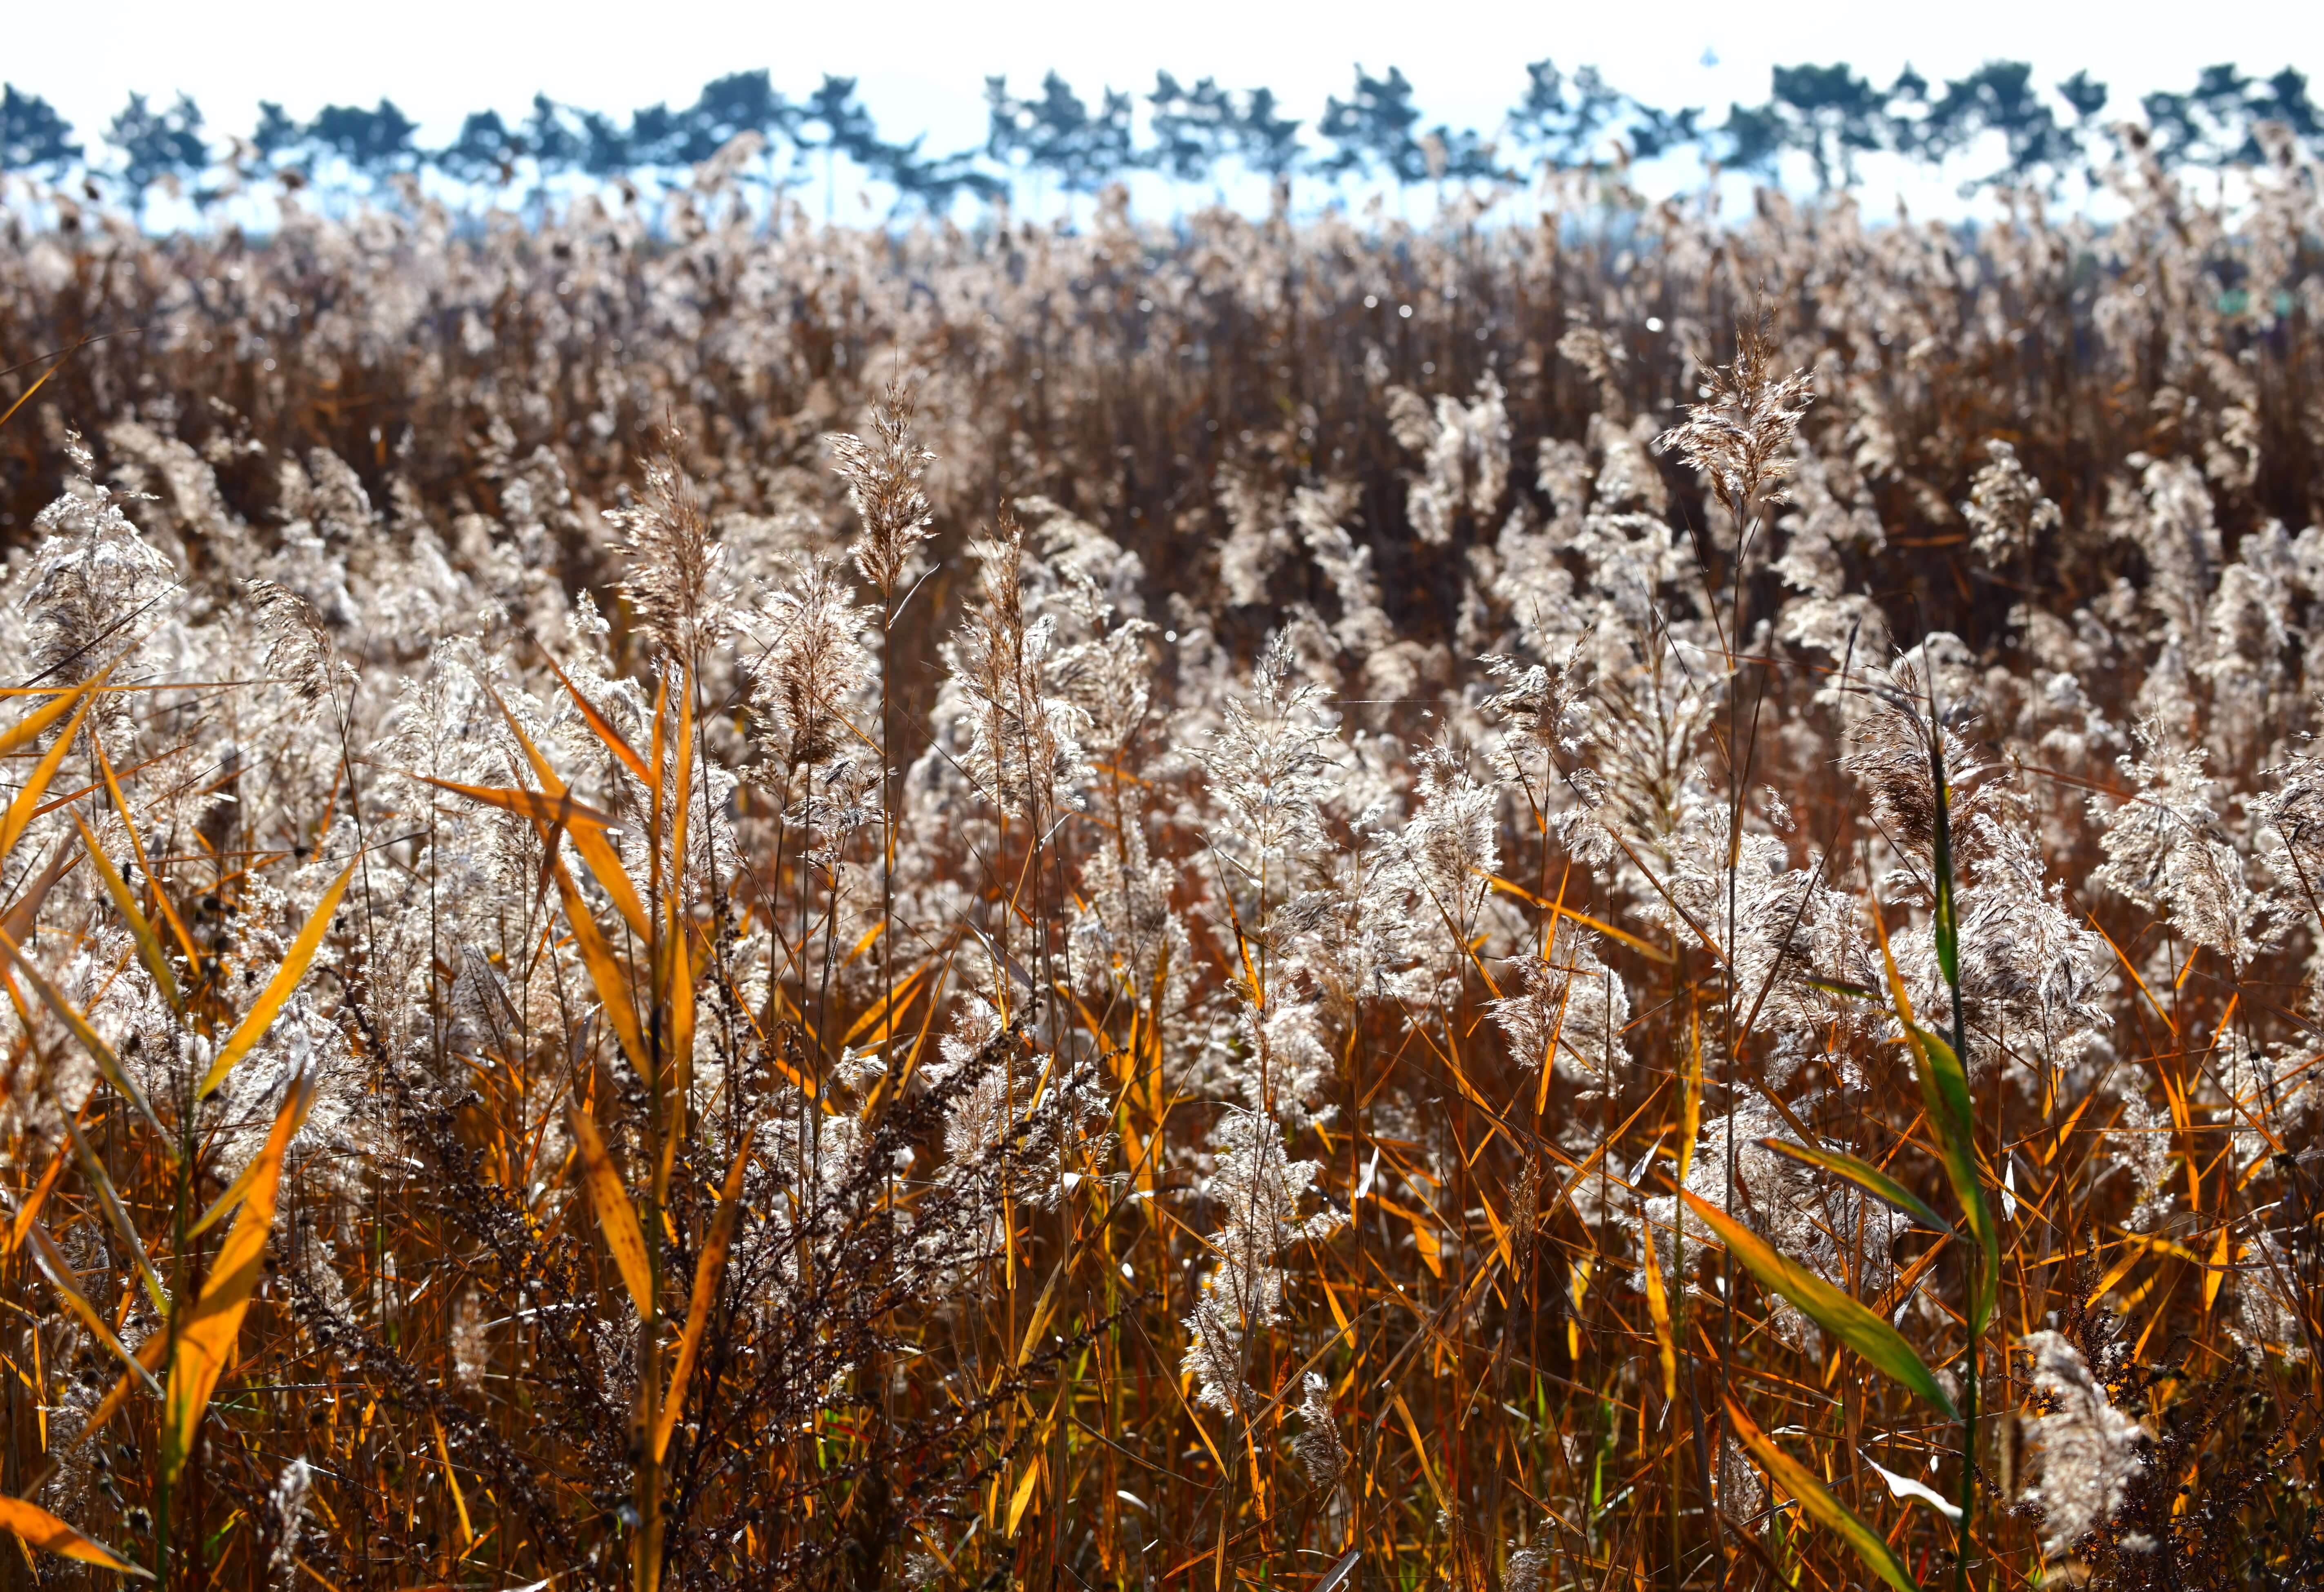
<point x="224" y="1205"/>
<point x="605" y="973"/>
<point x="538" y="806"/>
<point x="707" y="1271"/>
<point x="45" y="1531"/>
<point x="29" y="727"/>
<point x="205" y="1345"/>
<point x="1843" y="1317"/>
<point x="678" y="1077"/>
<point x="27" y="801"/>
<point x="124" y="902"/>
<point x="1945" y="1097"/>
<point x="1866" y="1176"/>
<point x="60" y="1277"/>
<point x="109" y="1201"/>
<point x="1658" y="1310"/>
<point x="260" y="1016"/>
<point x="588" y="837"/>
<point x="107" y="1063"/>
<point x="617" y="1218"/>
<point x="137" y="848"/>
<point x="30" y="1210"/>
<point x="601" y="727"/>
<point x="1945" y="1102"/>
<point x="1796" y="1479"/>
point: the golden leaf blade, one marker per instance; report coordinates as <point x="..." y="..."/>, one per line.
<point x="1023" y="1497"/>
<point x="29" y="727"/>
<point x="30" y="1210"/>
<point x="589" y="838"/>
<point x="706" y="1272"/>
<point x="77" y="1023"/>
<point x="605" y="974"/>
<point x="537" y="806"/>
<point x="260" y="1016"/>
<point x="1658" y="1308"/>
<point x="205" y="1342"/>
<point x="45" y="1531"/>
<point x="617" y="1218"/>
<point x="1796" y="1479"/>
<point x="137" y="848"/>
<point x="602" y="729"/>
<point x="27" y="801"/>
<point x="140" y="930"/>
<point x="678" y="1077"/>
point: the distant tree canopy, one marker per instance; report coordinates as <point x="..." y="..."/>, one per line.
<point x="1823" y="117"/>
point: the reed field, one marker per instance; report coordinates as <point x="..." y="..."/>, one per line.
<point x="1624" y="897"/>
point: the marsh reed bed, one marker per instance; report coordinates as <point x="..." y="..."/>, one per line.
<point x="1625" y="900"/>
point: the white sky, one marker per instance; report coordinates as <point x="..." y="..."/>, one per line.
<point x="922" y="62"/>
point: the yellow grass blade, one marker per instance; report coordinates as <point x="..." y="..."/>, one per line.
<point x="537" y="806"/>
<point x="2223" y="1255"/>
<point x="1558" y="908"/>
<point x="45" y="1531"/>
<point x="260" y="1016"/>
<point x="77" y="1023"/>
<point x="29" y="727"/>
<point x="604" y="730"/>
<point x="682" y="792"/>
<point x="137" y="848"/>
<point x="1690" y="1107"/>
<point x="149" y="944"/>
<point x="27" y="802"/>
<point x="605" y="974"/>
<point x="225" y="1204"/>
<point x="25" y="396"/>
<point x="1796" y="1479"/>
<point x="108" y="1199"/>
<point x="897" y="1001"/>
<point x="60" y="1277"/>
<point x="205" y="1345"/>
<point x="678" y="1077"/>
<point x="30" y="1210"/>
<point x="459" y="1502"/>
<point x="589" y="839"/>
<point x="1024" y="1495"/>
<point x="617" y="1218"/>
<point x="1658" y="1306"/>
<point x="706" y="1272"/>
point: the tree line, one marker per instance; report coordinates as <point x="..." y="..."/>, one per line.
<point x="1200" y="133"/>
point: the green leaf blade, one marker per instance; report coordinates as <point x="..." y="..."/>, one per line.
<point x="1844" y="1317"/>
<point x="1866" y="1176"/>
<point x="1945" y="1097"/>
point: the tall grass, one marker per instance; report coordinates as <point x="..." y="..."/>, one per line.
<point x="1623" y="903"/>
